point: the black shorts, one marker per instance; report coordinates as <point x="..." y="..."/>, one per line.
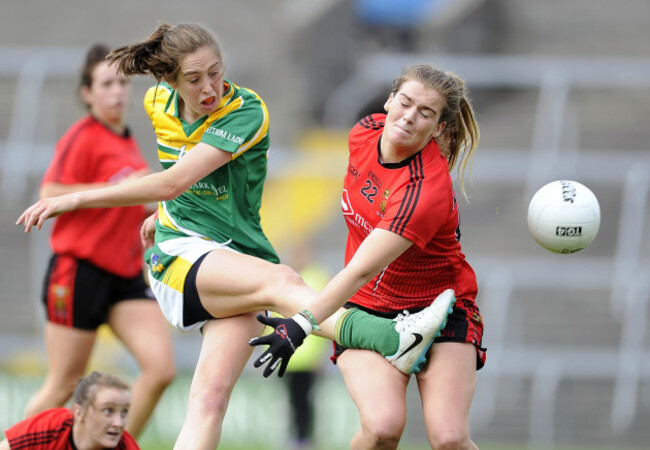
<point x="464" y="324"/>
<point x="78" y="294"/>
<point x="193" y="310"/>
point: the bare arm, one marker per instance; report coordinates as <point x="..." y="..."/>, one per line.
<point x="377" y="251"/>
<point x="166" y="185"/>
<point x="4" y="445"/>
<point x="53" y="189"/>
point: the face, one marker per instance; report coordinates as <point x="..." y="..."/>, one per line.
<point x="102" y="422"/>
<point x="108" y="94"/>
<point x="413" y="118"/>
<point x="199" y="83"/>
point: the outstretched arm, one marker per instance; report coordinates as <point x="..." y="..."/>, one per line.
<point x="376" y="252"/>
<point x="195" y="165"/>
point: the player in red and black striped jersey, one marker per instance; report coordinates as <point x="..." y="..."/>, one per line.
<point x="96" y="420"/>
<point x="403" y="251"/>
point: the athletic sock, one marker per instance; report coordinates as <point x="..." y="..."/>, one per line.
<point x="358" y="329"/>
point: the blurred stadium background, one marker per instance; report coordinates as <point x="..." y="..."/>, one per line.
<point x="562" y="90"/>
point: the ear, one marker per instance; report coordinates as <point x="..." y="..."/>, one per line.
<point x="77" y="412"/>
<point x="439" y="129"/>
<point x="85" y="94"/>
<point x="388" y="102"/>
<point x="170" y="82"/>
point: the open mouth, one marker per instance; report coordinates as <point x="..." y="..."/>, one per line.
<point x="208" y="101"/>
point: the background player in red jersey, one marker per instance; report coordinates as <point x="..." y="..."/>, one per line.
<point x="96" y="421"/>
<point x="95" y="275"/>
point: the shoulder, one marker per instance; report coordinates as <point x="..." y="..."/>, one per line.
<point x="242" y="100"/>
<point x="54" y="422"/>
<point x="157" y="97"/>
<point x="367" y="128"/>
<point x="85" y="126"/>
<point x="128" y="442"/>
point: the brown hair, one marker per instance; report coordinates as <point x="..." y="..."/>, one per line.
<point x="160" y="54"/>
<point x="87" y="386"/>
<point x="94" y="56"/>
<point x="459" y="140"/>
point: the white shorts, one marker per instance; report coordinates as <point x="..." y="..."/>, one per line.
<point x="168" y="283"/>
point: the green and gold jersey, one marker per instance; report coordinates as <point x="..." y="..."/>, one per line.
<point x="224" y="206"/>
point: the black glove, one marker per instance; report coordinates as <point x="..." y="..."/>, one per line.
<point x="286" y="337"/>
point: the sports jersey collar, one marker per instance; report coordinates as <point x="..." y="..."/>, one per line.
<point x="126" y="134"/>
<point x="404" y="162"/>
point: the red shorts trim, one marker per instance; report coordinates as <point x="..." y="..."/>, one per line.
<point x="78" y="294"/>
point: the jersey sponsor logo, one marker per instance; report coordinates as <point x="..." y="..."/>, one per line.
<point x="345" y="203"/>
<point x="226" y="135"/>
<point x="353" y="171"/>
<point x="360" y="222"/>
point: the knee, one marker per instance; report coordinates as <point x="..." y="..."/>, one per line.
<point x="384" y="433"/>
<point x="159" y="374"/>
<point x="210" y="400"/>
<point x="449" y="440"/>
<point x="283" y="280"/>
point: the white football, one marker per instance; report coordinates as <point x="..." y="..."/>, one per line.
<point x="563" y="216"/>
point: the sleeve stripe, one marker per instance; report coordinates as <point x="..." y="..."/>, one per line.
<point x="411" y="197"/>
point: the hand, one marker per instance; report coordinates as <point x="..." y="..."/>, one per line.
<point x="148" y="230"/>
<point x="286" y="337"/>
<point x="46" y="208"/>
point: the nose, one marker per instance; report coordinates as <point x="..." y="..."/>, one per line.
<point x="409" y="114"/>
<point x="119" y="421"/>
<point x="206" y="87"/>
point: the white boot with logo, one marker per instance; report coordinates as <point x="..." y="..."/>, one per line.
<point x="417" y="332"/>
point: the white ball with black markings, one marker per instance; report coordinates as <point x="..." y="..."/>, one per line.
<point x="564" y="216"/>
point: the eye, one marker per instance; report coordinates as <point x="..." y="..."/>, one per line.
<point x="124" y="413"/>
<point x="108" y="411"/>
<point x="425" y="114"/>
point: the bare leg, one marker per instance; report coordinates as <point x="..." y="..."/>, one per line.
<point x="379" y="391"/>
<point x="140" y="325"/>
<point x="446" y="388"/>
<point x="68" y="352"/>
<point x="275" y="287"/>
<point x="224" y="352"/>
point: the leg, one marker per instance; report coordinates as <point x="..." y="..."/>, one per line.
<point x="447" y="387"/>
<point x="379" y="391"/>
<point x="300" y="384"/>
<point x="224" y="352"/>
<point x="234" y="291"/>
<point x="140" y="325"/>
<point x="68" y="351"/>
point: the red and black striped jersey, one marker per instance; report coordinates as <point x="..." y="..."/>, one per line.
<point x="415" y="199"/>
<point x="52" y="430"/>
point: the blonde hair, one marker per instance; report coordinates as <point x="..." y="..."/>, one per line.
<point x="160" y="54"/>
<point x="459" y="140"/>
<point x="84" y="394"/>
